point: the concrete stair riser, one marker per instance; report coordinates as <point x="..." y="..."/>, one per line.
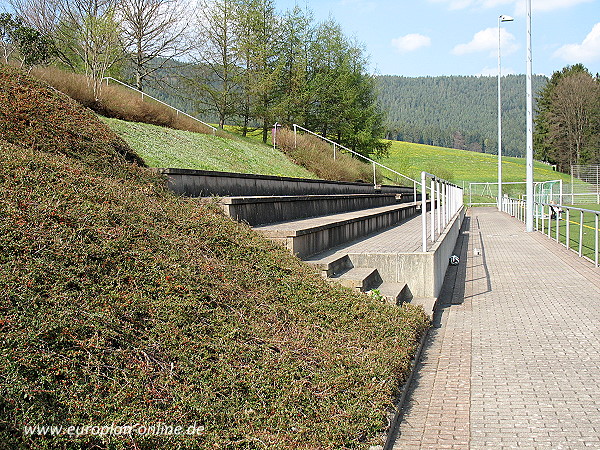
<point x="309" y="241"/>
<point x="264" y="210"/>
<point x="363" y="279"/>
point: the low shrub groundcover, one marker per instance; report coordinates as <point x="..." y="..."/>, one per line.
<point x="126" y="306"/>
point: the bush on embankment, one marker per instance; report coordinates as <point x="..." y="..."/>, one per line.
<point x="124" y="304"/>
<point x="316" y="155"/>
<point x="118" y="101"/>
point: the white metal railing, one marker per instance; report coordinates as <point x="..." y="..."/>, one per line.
<point x="551" y="218"/>
<point x="446" y="200"/>
<point x="177" y="111"/>
<point x="374" y="163"/>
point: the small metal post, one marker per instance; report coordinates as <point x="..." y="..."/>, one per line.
<point x="334" y="156"/>
<point x="557" y="226"/>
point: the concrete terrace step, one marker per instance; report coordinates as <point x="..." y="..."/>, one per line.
<point x="260" y="210"/>
<point x="395" y="293"/>
<point x="307" y="237"/>
<point x="363" y="278"/>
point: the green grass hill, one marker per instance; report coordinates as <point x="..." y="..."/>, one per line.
<point x="461" y="166"/>
<point x="166" y="147"/>
<point x="123" y="304"/>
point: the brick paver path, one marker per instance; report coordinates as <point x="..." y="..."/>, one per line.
<point x="513" y="360"/>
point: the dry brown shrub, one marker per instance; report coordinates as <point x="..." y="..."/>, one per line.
<point x="118" y="101"/>
<point x="317" y="156"/>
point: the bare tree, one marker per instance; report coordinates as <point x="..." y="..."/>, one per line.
<point x="154" y="33"/>
<point x="217" y="72"/>
<point x="42" y="15"/>
<point x="574" y="119"/>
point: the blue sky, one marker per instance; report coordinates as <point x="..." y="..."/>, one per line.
<point x="460" y="37"/>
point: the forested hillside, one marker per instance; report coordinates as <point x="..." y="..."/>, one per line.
<point x="457" y="111"/>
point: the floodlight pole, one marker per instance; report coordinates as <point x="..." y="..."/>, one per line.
<point x="529" y="156"/>
<point x="502" y="18"/>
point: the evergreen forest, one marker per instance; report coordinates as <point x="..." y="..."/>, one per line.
<point x="457" y="111"/>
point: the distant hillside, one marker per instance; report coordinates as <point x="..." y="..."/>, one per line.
<point x="457" y="111"/>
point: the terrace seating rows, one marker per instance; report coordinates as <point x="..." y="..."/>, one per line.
<point x="311" y="226"/>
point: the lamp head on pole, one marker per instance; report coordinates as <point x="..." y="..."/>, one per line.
<point x="504" y="18"/>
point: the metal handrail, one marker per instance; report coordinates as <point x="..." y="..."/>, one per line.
<point x="516" y="208"/>
<point x="214" y="130"/>
<point x="353" y="152"/>
<point x="446" y="198"/>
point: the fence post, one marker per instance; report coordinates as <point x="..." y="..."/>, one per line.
<point x="334" y="157"/>
<point x="596" y="239"/>
<point x="580" y="233"/>
<point x="374" y="176"/>
<point x="295" y="140"/>
<point x="432" y="190"/>
<point x="423" y="212"/>
<point x="568" y="237"/>
<point x="439" y="208"/>
<point x="414" y="190"/>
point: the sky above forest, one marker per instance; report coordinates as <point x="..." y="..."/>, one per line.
<point x="460" y="37"/>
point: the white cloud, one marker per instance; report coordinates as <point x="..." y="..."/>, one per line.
<point x="586" y="52"/>
<point x="487" y="41"/>
<point x="411" y="42"/>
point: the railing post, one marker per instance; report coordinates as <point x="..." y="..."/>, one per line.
<point x="445" y="218"/>
<point x="295" y="140"/>
<point x="596" y="244"/>
<point x="334" y="156"/>
<point x="568" y="237"/>
<point x="432" y="190"/>
<point x="414" y="190"/>
<point x="423" y="211"/>
<point x="580" y="233"/>
<point x="374" y="176"/>
<point x="557" y="226"/>
<point x="439" y="208"/>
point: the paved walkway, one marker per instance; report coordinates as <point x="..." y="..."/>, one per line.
<point x="513" y="360"/>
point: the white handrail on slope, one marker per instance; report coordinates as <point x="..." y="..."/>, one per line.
<point x="178" y="111"/>
<point x="415" y="182"/>
<point x="446" y="198"/>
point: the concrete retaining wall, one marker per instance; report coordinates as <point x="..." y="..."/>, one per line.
<point x="423" y="272"/>
<point x="206" y="183"/>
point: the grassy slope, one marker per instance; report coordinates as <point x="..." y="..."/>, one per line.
<point x="124" y="304"/>
<point x="166" y="147"/>
<point x="461" y="165"/>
